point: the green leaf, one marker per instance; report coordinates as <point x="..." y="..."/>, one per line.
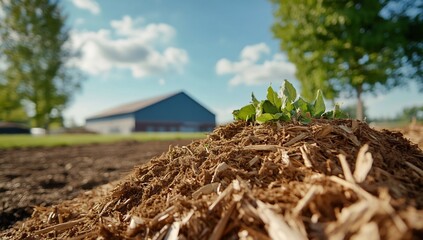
<point x="246" y="113"/>
<point x="338" y="113"/>
<point x="288" y="91"/>
<point x="273" y="97"/>
<point x="287" y="106"/>
<point x="319" y="105"/>
<point x="265" y="117"/>
<point x="254" y="100"/>
<point x="268" y="107"/>
<point x="282" y="116"/>
<point x="328" y="114"/>
<point x="301" y="105"/>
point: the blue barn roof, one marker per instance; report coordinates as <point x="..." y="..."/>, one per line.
<point x="138" y="105"/>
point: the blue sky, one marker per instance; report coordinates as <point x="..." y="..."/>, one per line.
<point x="216" y="51"/>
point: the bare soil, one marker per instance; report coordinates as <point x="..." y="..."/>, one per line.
<point x="45" y="176"/>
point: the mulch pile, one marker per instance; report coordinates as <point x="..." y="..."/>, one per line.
<point x="326" y="180"/>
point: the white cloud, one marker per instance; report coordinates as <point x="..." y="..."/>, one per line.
<point x="144" y="50"/>
<point x="224" y="115"/>
<point x="162" y="82"/>
<point x="79" y="21"/>
<point x="253" y="52"/>
<point x="90" y="5"/>
<point x="249" y="71"/>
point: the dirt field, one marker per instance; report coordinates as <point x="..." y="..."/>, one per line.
<point x="46" y="176"/>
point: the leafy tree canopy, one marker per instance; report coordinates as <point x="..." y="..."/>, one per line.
<point x="351" y="46"/>
<point x="33" y="40"/>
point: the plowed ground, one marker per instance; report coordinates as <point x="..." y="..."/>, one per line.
<point x="45" y="176"/>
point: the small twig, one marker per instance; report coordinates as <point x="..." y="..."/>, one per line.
<point x="296" y="139"/>
<point x="220" y="226"/>
<point x="346" y="168"/>
<point x="272" y="148"/>
<point x="185" y="147"/>
<point x="415" y="168"/>
<point x="59" y="227"/>
<point x="353" y="187"/>
<point x="307" y="161"/>
<point x="306" y="199"/>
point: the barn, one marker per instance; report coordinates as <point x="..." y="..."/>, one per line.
<point x="176" y="112"/>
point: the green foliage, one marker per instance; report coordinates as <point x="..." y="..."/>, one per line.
<point x="351" y="47"/>
<point x="22" y="140"/>
<point x="410" y="113"/>
<point x="34" y="37"/>
<point x="285" y="107"/>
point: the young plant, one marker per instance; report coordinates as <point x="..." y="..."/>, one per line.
<point x="285" y="107"/>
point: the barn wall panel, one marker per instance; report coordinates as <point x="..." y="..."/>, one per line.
<point x="123" y="124"/>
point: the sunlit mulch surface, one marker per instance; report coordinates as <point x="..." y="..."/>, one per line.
<point x="329" y="179"/>
<point x="414" y="132"/>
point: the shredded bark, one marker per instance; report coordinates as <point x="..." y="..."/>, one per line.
<point x="327" y="180"/>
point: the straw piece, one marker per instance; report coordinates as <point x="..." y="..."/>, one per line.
<point x="173" y="232"/>
<point x="272" y="148"/>
<point x="277" y="228"/>
<point x="347" y="171"/>
<point x="369" y="231"/>
<point x="296" y="139"/>
<point x="221" y="225"/>
<point x="220" y="168"/>
<point x="207" y="189"/>
<point x="134" y="225"/>
<point x="363" y="164"/>
<point x="351" y="219"/>
<point x="412" y="166"/>
<point x="307" y="198"/>
<point x="227" y="191"/>
<point x="253" y="161"/>
<point x="163" y="215"/>
<point x="353" y="187"/>
<point x="307" y="161"/>
<point x="162" y="233"/>
<point x="254" y="233"/>
<point x="326" y="130"/>
<point x="59" y="227"/>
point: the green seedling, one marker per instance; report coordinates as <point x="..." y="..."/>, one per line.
<point x="286" y="107"/>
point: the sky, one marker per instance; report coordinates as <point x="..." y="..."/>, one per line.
<point x="218" y="52"/>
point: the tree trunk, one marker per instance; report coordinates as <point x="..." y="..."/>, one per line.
<point x="359" y="110"/>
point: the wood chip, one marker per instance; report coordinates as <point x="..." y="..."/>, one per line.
<point x="351" y="219"/>
<point x="346" y="168"/>
<point x="207" y="189"/>
<point x="220" y="168"/>
<point x="253" y="161"/>
<point x="296" y="139"/>
<point x="173" y="232"/>
<point x="272" y="148"/>
<point x="226" y="192"/>
<point x="307" y="198"/>
<point x="59" y="227"/>
<point x="412" y="166"/>
<point x="221" y="225"/>
<point x="307" y="161"/>
<point x="363" y="164"/>
<point x="276" y="226"/>
<point x="369" y="231"/>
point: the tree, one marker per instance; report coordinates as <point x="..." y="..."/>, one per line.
<point x="351" y="47"/>
<point x="33" y="42"/>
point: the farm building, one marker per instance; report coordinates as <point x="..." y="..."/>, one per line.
<point x="175" y="112"/>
